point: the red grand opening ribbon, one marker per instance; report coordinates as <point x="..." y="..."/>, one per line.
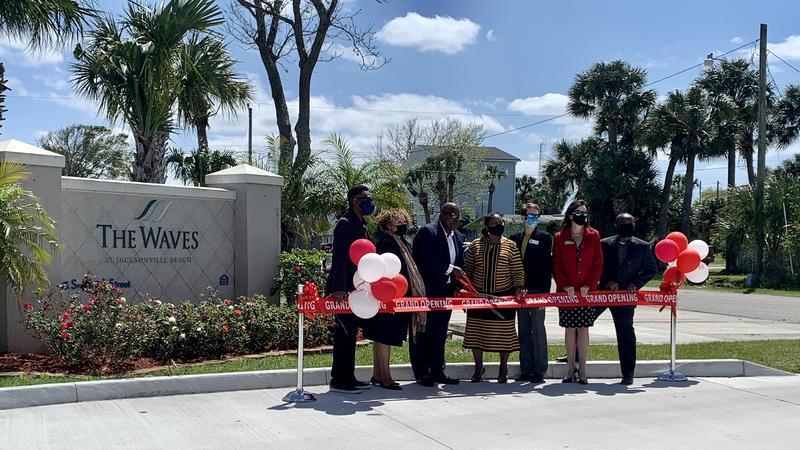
<point x="309" y="302"/>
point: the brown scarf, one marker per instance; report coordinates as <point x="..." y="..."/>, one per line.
<point x="415" y="284"/>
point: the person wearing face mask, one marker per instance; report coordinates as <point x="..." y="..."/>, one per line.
<point x="390" y="329"/>
<point x="628" y="264"/>
<point x="494" y="267"/>
<point x="577" y="267"/>
<point x="535" y="247"/>
<point x="350" y="227"/>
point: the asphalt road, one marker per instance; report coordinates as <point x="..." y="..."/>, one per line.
<point x="754" y="306"/>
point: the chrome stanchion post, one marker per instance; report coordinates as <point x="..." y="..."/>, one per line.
<point x="673" y="375"/>
<point x="299" y="395"/>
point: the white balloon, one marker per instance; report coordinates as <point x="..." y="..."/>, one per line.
<point x="698" y="275"/>
<point x="363" y="304"/>
<point x="393" y="265"/>
<point x="700" y="246"/>
<point x="358" y="282"/>
<point x="371" y="267"/>
<point x="672" y="263"/>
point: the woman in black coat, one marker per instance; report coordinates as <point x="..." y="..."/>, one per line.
<point x="391" y="329"/>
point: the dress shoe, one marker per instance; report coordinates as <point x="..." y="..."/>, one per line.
<point x="444" y="379"/>
<point x="536" y="378"/>
<point x="344" y="388"/>
<point x="525" y="377"/>
<point x="426" y="381"/>
<point x="626" y="381"/>
<point x="361" y="385"/>
<point x="562" y="359"/>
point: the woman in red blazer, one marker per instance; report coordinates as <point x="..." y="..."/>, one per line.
<point x="577" y="267"/>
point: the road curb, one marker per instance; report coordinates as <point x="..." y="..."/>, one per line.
<point x="84" y="391"/>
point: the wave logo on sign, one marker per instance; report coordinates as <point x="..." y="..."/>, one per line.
<point x="154" y="211"/>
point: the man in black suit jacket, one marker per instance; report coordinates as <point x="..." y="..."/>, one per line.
<point x="536" y="247"/>
<point x="349" y="228"/>
<point x="438" y="251"/>
<point x="628" y="264"/>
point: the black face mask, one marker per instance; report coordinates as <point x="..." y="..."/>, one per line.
<point x="401" y="230"/>
<point x="497" y="230"/>
<point x="625" y="230"/>
<point x="580" y="219"/>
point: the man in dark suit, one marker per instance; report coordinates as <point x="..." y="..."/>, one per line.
<point x="438" y="251"/>
<point x="536" y="248"/>
<point x="349" y="228"/>
<point x="628" y="264"/>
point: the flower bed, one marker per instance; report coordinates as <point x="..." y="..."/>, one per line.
<point x="98" y="331"/>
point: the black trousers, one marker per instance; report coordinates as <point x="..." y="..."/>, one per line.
<point x="427" y="348"/>
<point x="626" y="337"/>
<point x="345" y="333"/>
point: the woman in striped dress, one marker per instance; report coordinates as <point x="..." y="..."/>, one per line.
<point x="494" y="267"/>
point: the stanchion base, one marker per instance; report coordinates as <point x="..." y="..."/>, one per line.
<point x="297" y="396"/>
<point x="672" y="376"/>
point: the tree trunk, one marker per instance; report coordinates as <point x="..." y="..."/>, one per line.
<point x="732" y="167"/>
<point x="666" y="191"/>
<point x="747" y="152"/>
<point x="612" y="135"/>
<point x="423" y="201"/>
<point x="451" y="182"/>
<point x="302" y="128"/>
<point x="686" y="209"/>
<point x="149" y="162"/>
<point x="491" y="198"/>
<point x="202" y="132"/>
<point x="264" y="43"/>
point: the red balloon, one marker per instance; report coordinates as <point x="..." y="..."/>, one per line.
<point x="402" y="285"/>
<point x="679" y="239"/>
<point x="673" y="275"/>
<point x="688" y="260"/>
<point x="359" y="248"/>
<point x="384" y="289"/>
<point x="667" y="250"/>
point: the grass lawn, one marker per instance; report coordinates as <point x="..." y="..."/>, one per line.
<point x="780" y="354"/>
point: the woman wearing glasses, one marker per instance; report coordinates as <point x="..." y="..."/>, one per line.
<point x="577" y="267"/>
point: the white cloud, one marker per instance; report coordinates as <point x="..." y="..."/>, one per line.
<point x="17" y="52"/>
<point x="360" y="120"/>
<point x="550" y="104"/>
<point x="490" y="36"/>
<point x="788" y="49"/>
<point x="430" y="34"/>
<point x="52" y="81"/>
<point x="737" y="40"/>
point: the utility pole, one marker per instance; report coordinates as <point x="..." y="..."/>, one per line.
<point x="249" y="134"/>
<point x="762" y="151"/>
<point x="541" y="149"/>
<point x="717" y="190"/>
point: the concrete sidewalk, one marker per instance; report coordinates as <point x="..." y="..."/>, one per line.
<point x="652" y="327"/>
<point x="725" y="413"/>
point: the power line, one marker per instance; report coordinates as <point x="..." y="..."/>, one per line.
<point x="646" y="85"/>
<point x="783" y="61"/>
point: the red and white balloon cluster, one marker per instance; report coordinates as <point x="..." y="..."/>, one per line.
<point x="377" y="279"/>
<point x="683" y="258"/>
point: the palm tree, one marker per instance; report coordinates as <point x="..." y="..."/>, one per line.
<point x="737" y="82"/>
<point x="524" y="187"/>
<point x="193" y="168"/>
<point x="453" y="162"/>
<point x="570" y="165"/>
<point x="786" y="121"/>
<point x="44" y="22"/>
<point x="206" y="71"/>
<point x="613" y="94"/>
<point x="694" y="126"/>
<point x="383" y="177"/>
<point x="415" y="181"/>
<point x="493" y="174"/>
<point x="27" y="232"/>
<point x="131" y="69"/>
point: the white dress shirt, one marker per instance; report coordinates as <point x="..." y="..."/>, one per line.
<point x="451" y="245"/>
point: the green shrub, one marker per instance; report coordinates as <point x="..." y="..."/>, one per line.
<point x="105" y="332"/>
<point x="296" y="267"/>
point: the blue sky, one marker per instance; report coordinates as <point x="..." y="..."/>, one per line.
<point x="504" y="64"/>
